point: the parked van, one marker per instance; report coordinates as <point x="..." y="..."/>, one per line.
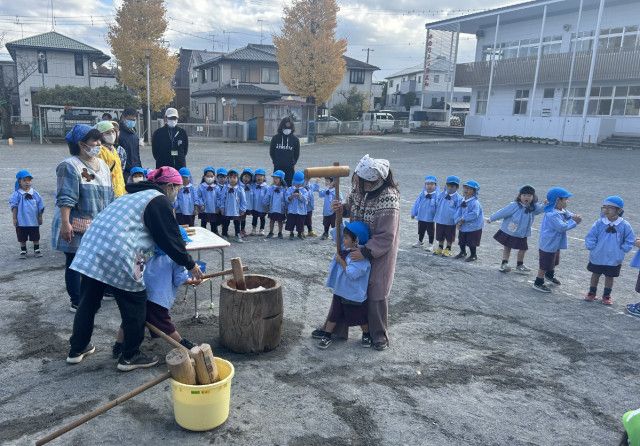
<point x="378" y="121"/>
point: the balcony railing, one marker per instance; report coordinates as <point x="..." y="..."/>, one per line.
<point x="610" y="66"/>
<point x="408" y="86"/>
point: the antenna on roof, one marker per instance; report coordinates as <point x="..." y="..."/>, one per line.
<point x="260" y="21"/>
<point x="53" y="18"/>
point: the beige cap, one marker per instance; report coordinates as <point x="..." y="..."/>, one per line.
<point x="171" y="113"/>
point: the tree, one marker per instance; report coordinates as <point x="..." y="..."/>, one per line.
<point x="409" y="99"/>
<point x="309" y="56"/>
<point x="136" y="34"/>
<point x="353" y="106"/>
<point x="101" y="97"/>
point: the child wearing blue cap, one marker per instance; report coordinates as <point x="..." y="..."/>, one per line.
<point x="328" y="193"/>
<point x="608" y="241"/>
<point x="634" y="309"/>
<point x="311" y="188"/>
<point x="517" y="219"/>
<point x="447" y="205"/>
<point x="246" y="178"/>
<point x="208" y="197"/>
<point x="187" y="201"/>
<point x="553" y="236"/>
<point x="27" y="209"/>
<point x="260" y="189"/>
<point x="232" y="205"/>
<point x="469" y="220"/>
<point x="297" y="199"/>
<point x="137" y="174"/>
<point x="424" y="209"/>
<point x="275" y="203"/>
<point x="349" y="280"/>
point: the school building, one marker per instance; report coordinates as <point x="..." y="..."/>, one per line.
<point x="561" y="69"/>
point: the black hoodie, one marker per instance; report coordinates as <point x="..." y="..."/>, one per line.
<point x="161" y="222"/>
<point x="284" y="150"/>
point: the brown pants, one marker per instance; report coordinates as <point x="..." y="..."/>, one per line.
<point x="378" y="311"/>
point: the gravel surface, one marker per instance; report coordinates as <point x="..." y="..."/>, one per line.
<point x="477" y="357"/>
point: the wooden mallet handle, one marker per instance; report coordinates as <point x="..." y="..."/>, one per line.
<point x="238" y="274"/>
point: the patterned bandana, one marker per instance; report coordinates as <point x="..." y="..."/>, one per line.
<point x="372" y="169"/>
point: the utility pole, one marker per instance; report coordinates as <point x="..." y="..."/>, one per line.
<point x="228" y="33"/>
<point x="213" y="41"/>
<point x="260" y="21"/>
<point x="147" y="56"/>
<point x="368" y="50"/>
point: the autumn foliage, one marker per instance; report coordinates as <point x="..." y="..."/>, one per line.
<point x="139" y="28"/>
<point x="309" y="55"/>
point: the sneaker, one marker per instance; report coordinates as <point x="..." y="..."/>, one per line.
<point x="280" y="236"/>
<point x="379" y="346"/>
<point x="116" y="350"/>
<point x="324" y="236"/>
<point x="418" y="245"/>
<point x="77" y="357"/>
<point x="366" y="340"/>
<point x="552" y="280"/>
<point x="542" y="288"/>
<point x="634" y="309"/>
<point x="138" y="361"/>
<point x="187" y="343"/>
<point x="270" y="235"/>
<point x="590" y="297"/>
<point x="324" y="342"/>
<point x="505" y="268"/>
<point x="239" y="239"/>
<point x="318" y="334"/>
<point x="291" y="236"/>
<point x="522" y="269"/>
<point x="37" y="253"/>
<point x="607" y="300"/>
<point x="254" y="231"/>
<point x="471" y="258"/>
<point x="461" y="255"/>
<point x="312" y="233"/>
<point x="437" y="251"/>
<point x="243" y="233"/>
<point x="262" y="233"/>
<point x="446" y="252"/>
<point x="428" y="248"/>
<point x="301" y="236"/>
<point x="73" y="308"/>
<point x="23" y="255"/>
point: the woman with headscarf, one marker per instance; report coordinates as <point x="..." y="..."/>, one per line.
<point x="375" y="200"/>
<point x="285" y="149"/>
<point x="83" y="191"/>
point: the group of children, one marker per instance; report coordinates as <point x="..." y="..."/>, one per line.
<point x="440" y="211"/>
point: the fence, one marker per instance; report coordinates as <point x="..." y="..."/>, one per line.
<point x="360" y="127"/>
<point x="197" y="130"/>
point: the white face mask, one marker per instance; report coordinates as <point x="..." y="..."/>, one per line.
<point x="287" y="132"/>
<point x="110" y="138"/>
<point x="93" y="151"/>
<point x="172" y="123"/>
<point x="136" y="179"/>
<point x="208" y="180"/>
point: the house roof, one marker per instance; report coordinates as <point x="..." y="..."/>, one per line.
<point x="56" y="41"/>
<point x="358" y="64"/>
<point x="411" y="70"/>
<point x="440" y="65"/>
<point x="181" y="78"/>
<point x="241" y="90"/>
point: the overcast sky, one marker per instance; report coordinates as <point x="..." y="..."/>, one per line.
<point x="393" y="30"/>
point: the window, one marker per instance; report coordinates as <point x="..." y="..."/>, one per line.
<point x="214" y="73"/>
<point x="194" y="76"/>
<point x="434" y="102"/>
<point x="466" y="98"/>
<point x="621" y="100"/>
<point x="549" y="93"/>
<point x="356" y="76"/>
<point x="436" y="78"/>
<point x="419" y="79"/>
<point x="390" y="83"/>
<point x="203" y="76"/>
<point x="42" y="62"/>
<point x="244" y="74"/>
<point x="270" y="76"/>
<point x="521" y="102"/>
<point x="79" y="62"/>
<point x="481" y="102"/>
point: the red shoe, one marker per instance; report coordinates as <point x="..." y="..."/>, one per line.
<point x="590" y="297"/>
<point x="607" y="300"/>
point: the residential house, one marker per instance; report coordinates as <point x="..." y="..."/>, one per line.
<point x="563" y="69"/>
<point x="50" y="59"/>
<point x="431" y="96"/>
<point x="359" y="75"/>
<point x="187" y="59"/>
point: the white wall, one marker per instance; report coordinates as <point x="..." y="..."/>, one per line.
<point x="345" y="86"/>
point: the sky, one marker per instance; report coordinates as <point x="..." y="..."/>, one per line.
<point x="393" y="31"/>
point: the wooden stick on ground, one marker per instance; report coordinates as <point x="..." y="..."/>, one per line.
<point x="165" y="336"/>
<point x="100" y="410"/>
<point x="238" y="274"/>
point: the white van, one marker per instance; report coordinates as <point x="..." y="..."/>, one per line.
<point x="378" y="121"/>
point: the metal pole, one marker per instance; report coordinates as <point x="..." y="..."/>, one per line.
<point x="148" y="99"/>
<point x="573" y="61"/>
<point x="449" y="87"/>
<point x="40" y="122"/>
<point x="592" y="67"/>
<point x="535" y="77"/>
<point x="495" y="43"/>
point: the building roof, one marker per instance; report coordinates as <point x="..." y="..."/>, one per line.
<point x="267" y="53"/>
<point x="241" y="90"/>
<point x="56" y="41"/>
<point x="182" y="78"/>
<point x="440" y="65"/>
<point x="411" y="70"/>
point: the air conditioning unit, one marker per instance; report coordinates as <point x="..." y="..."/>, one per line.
<point x="235" y="83"/>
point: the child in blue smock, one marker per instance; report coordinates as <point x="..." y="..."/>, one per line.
<point x="517" y="219"/>
<point x="608" y="241"/>
<point x="232" y="205"/>
<point x="311" y="188"/>
<point x="448" y="203"/>
<point x="246" y="180"/>
<point x="187" y="201"/>
<point x="275" y="202"/>
<point x="297" y="200"/>
<point x="260" y="189"/>
<point x="162" y="278"/>
<point x="470" y="221"/>
<point x="27" y="209"/>
<point x="207" y="196"/>
<point x="328" y="193"/>
<point x="557" y="221"/>
<point x="634" y="309"/>
<point x="137" y="174"/>
<point x="424" y="209"/>
<point x="349" y="281"/>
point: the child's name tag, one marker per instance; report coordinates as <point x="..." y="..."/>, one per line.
<point x="174" y="153"/>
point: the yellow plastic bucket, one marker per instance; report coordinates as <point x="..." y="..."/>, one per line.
<point x="201" y="408"/>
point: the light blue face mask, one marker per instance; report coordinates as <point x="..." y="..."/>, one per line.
<point x="131" y="123"/>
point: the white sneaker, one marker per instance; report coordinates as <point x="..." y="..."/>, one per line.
<point x="254" y="231"/>
<point x="418" y="244"/>
<point x="262" y="233"/>
<point x="428" y="248"/>
<point x="239" y="239"/>
<point x="505" y="268"/>
<point x="522" y="269"/>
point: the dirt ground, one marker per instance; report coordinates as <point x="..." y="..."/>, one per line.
<point x="477" y="357"/>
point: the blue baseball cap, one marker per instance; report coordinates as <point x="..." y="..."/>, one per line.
<point x="452" y="179"/>
<point x="278" y="174"/>
<point x="232" y="172"/>
<point x="360" y="229"/>
<point x="430" y="179"/>
<point x="210" y="169"/>
<point x="553" y="195"/>
<point x="613" y="200"/>
<point x="77" y="133"/>
<point x="473" y="185"/>
<point x="23" y="174"/>
<point x="222" y="171"/>
<point x="135" y="170"/>
<point x="261" y="172"/>
<point x="247" y="170"/>
<point x="184" y="172"/>
<point x="298" y="178"/>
